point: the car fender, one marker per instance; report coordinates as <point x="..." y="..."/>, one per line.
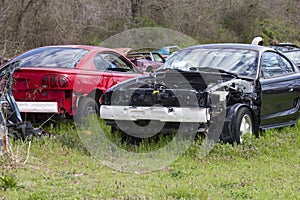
<point x="227" y="133"/>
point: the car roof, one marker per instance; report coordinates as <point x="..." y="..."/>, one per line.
<point x="143" y="52"/>
<point x="285" y="45"/>
<point x="234" y="46"/>
<point x="87" y="47"/>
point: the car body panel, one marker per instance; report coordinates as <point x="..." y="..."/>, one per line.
<point x="286" y="94"/>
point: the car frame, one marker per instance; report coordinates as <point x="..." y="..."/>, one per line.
<point x="255" y="96"/>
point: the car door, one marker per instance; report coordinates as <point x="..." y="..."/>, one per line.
<point x="279" y="89"/>
<point x="121" y="68"/>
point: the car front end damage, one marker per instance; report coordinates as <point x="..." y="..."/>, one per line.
<point x="176" y="97"/>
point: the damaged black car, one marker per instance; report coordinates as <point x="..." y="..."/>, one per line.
<point x="224" y="91"/>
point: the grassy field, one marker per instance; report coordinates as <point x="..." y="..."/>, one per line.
<point x="60" y="168"/>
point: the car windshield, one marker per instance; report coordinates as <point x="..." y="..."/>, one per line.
<point x="241" y="62"/>
<point x="56" y="57"/>
<point x="294" y="56"/>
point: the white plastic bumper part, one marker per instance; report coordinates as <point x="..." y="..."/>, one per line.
<point x="37" y="107"/>
<point x="164" y="114"/>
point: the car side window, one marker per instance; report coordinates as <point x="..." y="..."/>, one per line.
<point x="116" y="63"/>
<point x="157" y="58"/>
<point x="272" y="64"/>
<point x="100" y="63"/>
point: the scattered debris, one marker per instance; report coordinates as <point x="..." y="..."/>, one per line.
<point x="11" y="123"/>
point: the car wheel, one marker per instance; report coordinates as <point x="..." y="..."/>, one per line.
<point x="242" y="124"/>
<point x="86" y="107"/>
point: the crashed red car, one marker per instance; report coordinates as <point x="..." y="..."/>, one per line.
<point x="67" y="80"/>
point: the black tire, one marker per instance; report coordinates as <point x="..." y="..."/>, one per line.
<point x="86" y="107"/>
<point x="243" y="124"/>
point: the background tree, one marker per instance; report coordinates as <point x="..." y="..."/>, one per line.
<point x="25" y="24"/>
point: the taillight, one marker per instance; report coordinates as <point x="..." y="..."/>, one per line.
<point x="45" y="82"/>
<point x="63" y="81"/>
<point x="54" y="81"/>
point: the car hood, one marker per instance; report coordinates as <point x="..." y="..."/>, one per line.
<point x="176" y="79"/>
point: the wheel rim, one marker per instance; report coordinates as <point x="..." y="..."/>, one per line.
<point x="246" y="126"/>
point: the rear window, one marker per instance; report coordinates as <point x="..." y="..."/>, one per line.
<point x="294" y="56"/>
<point x="56" y="57"/>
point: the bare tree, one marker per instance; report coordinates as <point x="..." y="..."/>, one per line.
<point x="27" y="24"/>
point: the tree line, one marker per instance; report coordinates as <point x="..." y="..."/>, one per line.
<point x="27" y="24"/>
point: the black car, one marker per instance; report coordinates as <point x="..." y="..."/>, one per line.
<point x="221" y="90"/>
<point x="290" y="50"/>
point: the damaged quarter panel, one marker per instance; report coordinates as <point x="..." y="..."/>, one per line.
<point x="200" y="84"/>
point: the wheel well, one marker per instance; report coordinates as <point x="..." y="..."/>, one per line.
<point x="227" y="133"/>
<point x="95" y="94"/>
<point x="253" y="113"/>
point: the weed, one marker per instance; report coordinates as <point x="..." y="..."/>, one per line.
<point x="66" y="134"/>
<point x="8" y="182"/>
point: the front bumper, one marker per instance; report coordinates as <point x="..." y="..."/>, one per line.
<point x="164" y="114"/>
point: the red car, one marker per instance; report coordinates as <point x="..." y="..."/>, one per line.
<point x="69" y="79"/>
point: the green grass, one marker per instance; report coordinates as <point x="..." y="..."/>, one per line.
<point x="60" y="168"/>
